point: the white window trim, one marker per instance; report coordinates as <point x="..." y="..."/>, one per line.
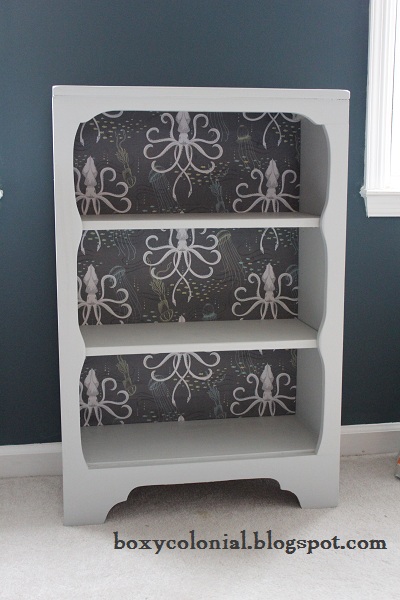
<point x="380" y="191"/>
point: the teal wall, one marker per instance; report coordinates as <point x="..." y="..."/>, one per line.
<point x="266" y="43"/>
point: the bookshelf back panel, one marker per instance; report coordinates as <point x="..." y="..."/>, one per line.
<point x="187" y="386"/>
<point x="138" y="276"/>
<point x="171" y="162"/>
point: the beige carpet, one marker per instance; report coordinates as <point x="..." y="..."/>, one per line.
<point x="42" y="559"/>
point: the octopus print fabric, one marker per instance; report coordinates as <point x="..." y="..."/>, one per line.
<point x="136" y="162"/>
<point x="151" y="162"/>
<point x="187" y="386"/>
<point x="133" y="276"/>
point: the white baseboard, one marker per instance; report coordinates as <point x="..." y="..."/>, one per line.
<point x="28" y="460"/>
<point x="377" y="438"/>
<point x="45" y="459"/>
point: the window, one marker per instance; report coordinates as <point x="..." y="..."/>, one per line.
<point x="381" y="189"/>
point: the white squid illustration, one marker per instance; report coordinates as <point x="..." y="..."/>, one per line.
<point x="90" y="196"/>
<point x="271" y="299"/>
<point x="95" y="304"/>
<point x="268" y="199"/>
<point x="96" y="406"/>
<point x="183" y="146"/>
<point x="266" y="398"/>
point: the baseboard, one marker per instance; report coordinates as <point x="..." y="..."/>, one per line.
<point x="28" y="460"/>
<point x="45" y="459"/>
<point x="377" y="438"/>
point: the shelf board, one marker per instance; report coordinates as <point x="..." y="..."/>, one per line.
<point x="199" y="221"/>
<point x="209" y="336"/>
<point x="193" y="441"/>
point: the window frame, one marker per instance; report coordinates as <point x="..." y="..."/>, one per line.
<point x="381" y="191"/>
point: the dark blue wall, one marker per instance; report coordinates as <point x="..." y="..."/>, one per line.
<point x="266" y="43"/>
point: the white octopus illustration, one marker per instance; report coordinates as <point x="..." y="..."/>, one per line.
<point x="293" y="119"/>
<point x="95" y="304"/>
<point x="181" y="367"/>
<point x="271" y="299"/>
<point x="183" y="147"/>
<point x="90" y="197"/>
<point x="267" y="398"/>
<point x="95" y="405"/>
<point x="181" y="252"/>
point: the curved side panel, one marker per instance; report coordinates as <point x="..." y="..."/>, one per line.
<point x="321" y="274"/>
<point x="333" y="227"/>
<point x="68" y="234"/>
<point x="313" y="272"/>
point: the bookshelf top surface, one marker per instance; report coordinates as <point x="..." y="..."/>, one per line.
<point x="317" y="94"/>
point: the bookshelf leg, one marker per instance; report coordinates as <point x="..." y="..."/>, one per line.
<point x="319" y="494"/>
<point x="94" y="514"/>
<point x="318" y="486"/>
<point x="91" y="504"/>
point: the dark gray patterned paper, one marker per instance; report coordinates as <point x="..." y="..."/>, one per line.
<point x="148" y="162"/>
<point x="128" y="276"/>
<point x="187" y="386"/>
<point x="152" y="162"/>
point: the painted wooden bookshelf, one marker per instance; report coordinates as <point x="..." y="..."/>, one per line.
<point x="101" y="465"/>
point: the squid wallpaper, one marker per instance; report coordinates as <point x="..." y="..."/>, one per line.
<point x="148" y="162"/>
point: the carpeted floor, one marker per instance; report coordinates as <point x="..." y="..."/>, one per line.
<point x="42" y="559"/>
